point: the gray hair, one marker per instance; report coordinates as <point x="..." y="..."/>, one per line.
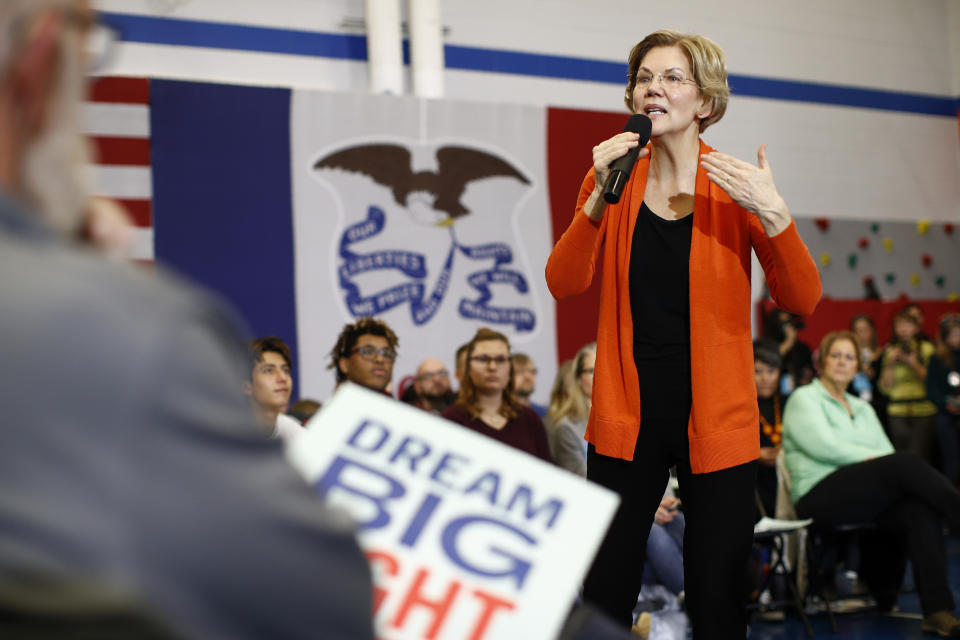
<point x="52" y="169"/>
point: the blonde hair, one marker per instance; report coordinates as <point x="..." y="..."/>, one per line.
<point x="708" y="64"/>
<point x="568" y="399"/>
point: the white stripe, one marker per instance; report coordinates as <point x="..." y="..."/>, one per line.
<point x="107" y="119"/>
<point x="121" y="182"/>
<point x="142" y="246"/>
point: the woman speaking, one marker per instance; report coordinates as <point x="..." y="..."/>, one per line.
<point x="673" y="379"/>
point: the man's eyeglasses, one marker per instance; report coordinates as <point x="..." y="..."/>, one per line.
<point x="370" y="353"/>
<point x="427" y="375"/>
<point x="485" y="360"/>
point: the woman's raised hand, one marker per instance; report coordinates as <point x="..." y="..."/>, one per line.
<point x="750" y="186"/>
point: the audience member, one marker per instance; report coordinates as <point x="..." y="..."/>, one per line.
<point x="865" y="331"/>
<point x="843" y="470"/>
<point x="487" y="404"/>
<point x="943" y="389"/>
<point x="911" y="417"/>
<point x="563" y="383"/>
<point x="132" y="471"/>
<point x="431" y="387"/>
<point x="364" y="354"/>
<point x="797" y="361"/>
<point x="302" y="410"/>
<point x="569" y="411"/>
<point x="664" y="559"/>
<point x="766" y="366"/>
<point x="916" y="312"/>
<point x="460" y="360"/>
<point x="268" y="387"/>
<point x="525" y="382"/>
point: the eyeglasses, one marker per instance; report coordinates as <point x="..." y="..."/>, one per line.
<point x="370" y="353"/>
<point x="427" y="375"/>
<point x="486" y="360"/>
<point x="671" y="79"/>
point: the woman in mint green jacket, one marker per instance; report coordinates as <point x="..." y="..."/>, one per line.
<point x="843" y="470"/>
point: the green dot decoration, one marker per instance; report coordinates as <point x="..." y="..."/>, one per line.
<point x="852" y="260"/>
<point x="890" y="278"/>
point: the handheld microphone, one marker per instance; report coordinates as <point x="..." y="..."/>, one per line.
<point x="621" y="167"/>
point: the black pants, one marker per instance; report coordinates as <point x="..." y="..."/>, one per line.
<point x="908" y="500"/>
<point x="718" y="507"/>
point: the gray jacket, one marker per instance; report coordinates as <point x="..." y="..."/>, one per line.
<point x="129" y="460"/>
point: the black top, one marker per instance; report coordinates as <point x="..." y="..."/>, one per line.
<point x="660" y="306"/>
<point x="660" y="285"/>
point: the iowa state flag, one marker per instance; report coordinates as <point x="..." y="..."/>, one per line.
<point x="309" y="209"/>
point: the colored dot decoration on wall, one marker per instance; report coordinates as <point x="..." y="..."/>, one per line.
<point x="952" y="297"/>
<point x="891" y="268"/>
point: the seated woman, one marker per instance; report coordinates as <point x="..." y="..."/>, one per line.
<point x="486" y="403"/>
<point x="766" y="373"/>
<point x="843" y="470"/>
<point x="569" y="411"/>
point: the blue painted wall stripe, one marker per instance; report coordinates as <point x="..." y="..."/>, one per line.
<point x="192" y="33"/>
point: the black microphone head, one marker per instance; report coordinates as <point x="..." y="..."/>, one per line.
<point x="640" y="123"/>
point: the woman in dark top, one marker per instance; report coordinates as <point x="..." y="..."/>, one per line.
<point x="766" y="365"/>
<point x="486" y="403"/>
<point x="943" y="389"/>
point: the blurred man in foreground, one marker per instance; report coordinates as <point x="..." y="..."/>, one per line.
<point x="136" y="489"/>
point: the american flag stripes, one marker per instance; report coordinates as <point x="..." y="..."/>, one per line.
<point x="117" y="120"/>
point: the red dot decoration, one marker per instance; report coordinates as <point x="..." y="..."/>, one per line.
<point x="863" y="242"/>
<point x="822" y="223"/>
<point x="927" y="260"/>
<point x="948" y="229"/>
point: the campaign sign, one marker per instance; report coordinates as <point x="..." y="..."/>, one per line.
<point x="467" y="538"/>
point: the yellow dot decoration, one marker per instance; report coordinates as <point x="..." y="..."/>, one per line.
<point x="888" y="244"/>
<point x="923" y="226"/>
<point x="915" y="280"/>
<point x="952" y="297"/>
<point x="825" y="259"/>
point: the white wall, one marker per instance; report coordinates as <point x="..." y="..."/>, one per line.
<point x="841" y="162"/>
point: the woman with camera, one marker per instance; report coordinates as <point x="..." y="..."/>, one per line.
<point x="911" y="421"/>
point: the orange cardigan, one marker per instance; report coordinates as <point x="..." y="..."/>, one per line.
<point x="723" y="421"/>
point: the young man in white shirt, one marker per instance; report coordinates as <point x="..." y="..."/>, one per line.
<point x="270" y="385"/>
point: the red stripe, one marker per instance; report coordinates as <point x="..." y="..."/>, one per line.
<point x="125" y="151"/>
<point x="122" y="90"/>
<point x="140" y="210"/>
